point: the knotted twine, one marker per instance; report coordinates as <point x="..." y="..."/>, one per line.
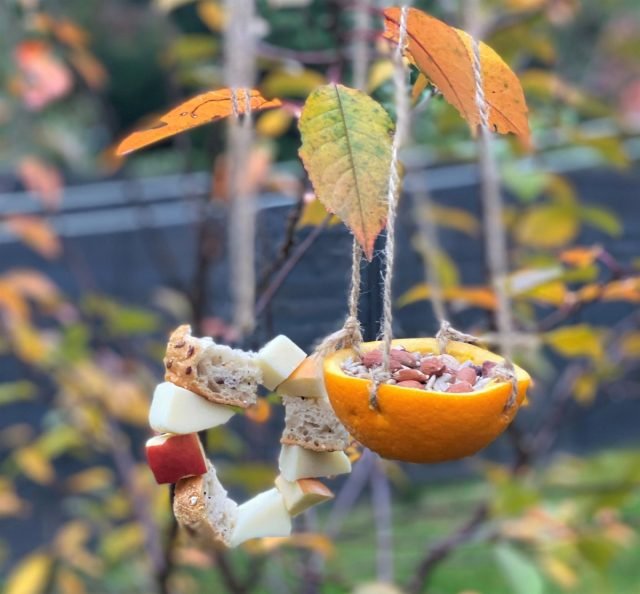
<point x="401" y="100"/>
<point x="350" y="335"/>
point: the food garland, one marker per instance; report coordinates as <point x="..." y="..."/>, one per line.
<point x="205" y="383"/>
<point x="434" y="407"/>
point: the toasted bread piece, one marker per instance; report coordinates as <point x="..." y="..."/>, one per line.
<point x="216" y="372"/>
<point x="312" y="424"/>
<point x="202" y="507"/>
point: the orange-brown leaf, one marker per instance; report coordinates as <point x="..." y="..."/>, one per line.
<point x="201" y="109"/>
<point x="37" y="234"/>
<point x="444" y="55"/>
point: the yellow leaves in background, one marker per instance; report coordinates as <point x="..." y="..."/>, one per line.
<point x="122" y="542"/>
<point x="630" y="345"/>
<point x="71" y="545"/>
<point x="549" y="226"/>
<point x="10" y="502"/>
<point x="294" y="83"/>
<point x="444" y="55"/>
<point x="580" y="340"/>
<point x="37" y="233"/>
<point x="346" y="150"/>
<point x="212" y="14"/>
<point x="450" y="217"/>
<point x="260" y="412"/>
<point x="274" y="123"/>
<point x="468" y="296"/>
<point x="31" y="575"/>
<point x="90" y="480"/>
<point x="318" y="543"/>
<point x="313" y="214"/>
<point x="35" y="465"/>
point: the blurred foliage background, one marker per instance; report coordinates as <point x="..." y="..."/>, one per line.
<point x="78" y="508"/>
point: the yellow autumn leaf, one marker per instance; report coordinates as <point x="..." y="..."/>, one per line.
<point x="122" y="541"/>
<point x="560" y="572"/>
<point x="212" y="14"/>
<point x="90" y="480"/>
<point x="457" y="219"/>
<point x="346" y="150"/>
<point x="274" y="123"/>
<point x="292" y="83"/>
<point x="69" y="583"/>
<point x="313" y="214"/>
<point x="547" y="226"/>
<point x="630" y="345"/>
<point x="419" y="86"/>
<point x="380" y="72"/>
<point x="34" y="465"/>
<point x="580" y="340"/>
<point x="30" y="576"/>
<point x="551" y="293"/>
<point x="471" y="296"/>
<point x="585" y="388"/>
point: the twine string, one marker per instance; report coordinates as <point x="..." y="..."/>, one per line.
<point x="401" y="99"/>
<point x="495" y="241"/>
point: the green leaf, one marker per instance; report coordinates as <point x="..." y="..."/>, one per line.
<point x="603" y="219"/>
<point x="346" y="149"/>
<point x="525" y="185"/>
<point x="521" y="574"/>
<point x="580" y="340"/>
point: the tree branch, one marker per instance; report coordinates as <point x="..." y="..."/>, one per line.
<point x="441" y="550"/>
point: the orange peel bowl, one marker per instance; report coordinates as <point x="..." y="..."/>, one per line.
<point x="415" y="425"/>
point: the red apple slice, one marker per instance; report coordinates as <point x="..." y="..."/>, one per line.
<point x="173" y="457"/>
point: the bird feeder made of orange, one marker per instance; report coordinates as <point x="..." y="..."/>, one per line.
<point x="415" y="425"/>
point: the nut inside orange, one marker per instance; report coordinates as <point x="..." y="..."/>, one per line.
<point x="415" y="425"/>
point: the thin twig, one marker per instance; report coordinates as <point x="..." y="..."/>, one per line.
<point x="277" y="281"/>
<point x="441" y="550"/>
<point x="383" y="518"/>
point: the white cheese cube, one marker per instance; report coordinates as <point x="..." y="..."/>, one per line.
<point x="264" y="515"/>
<point x="278" y="359"/>
<point x="297" y="463"/>
<point x="176" y="410"/>
<point x="303" y="494"/>
<point x="305" y="381"/>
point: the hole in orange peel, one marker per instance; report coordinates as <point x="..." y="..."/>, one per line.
<point x="414" y="425"/>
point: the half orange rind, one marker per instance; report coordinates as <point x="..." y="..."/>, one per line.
<point x="415" y="425"/>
